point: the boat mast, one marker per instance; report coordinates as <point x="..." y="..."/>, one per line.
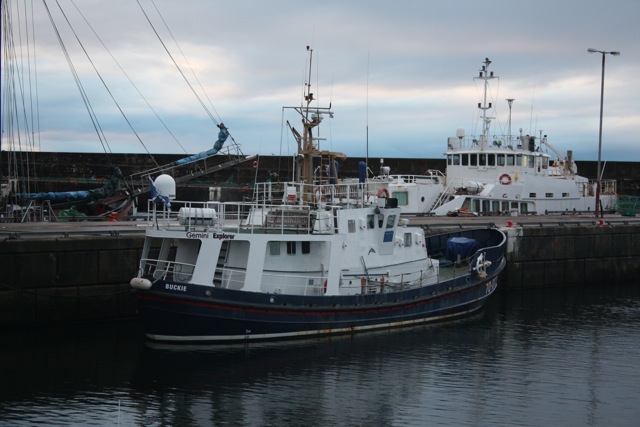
<point x="485" y="75"/>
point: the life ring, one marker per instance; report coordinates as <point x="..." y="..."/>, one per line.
<point x="255" y="164"/>
<point x="319" y="194"/>
<point x="505" y="179"/>
<point x="481" y="265"/>
<point x="385" y="192"/>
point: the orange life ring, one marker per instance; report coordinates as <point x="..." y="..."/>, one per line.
<point x="505" y="179"/>
<point x="383" y="191"/>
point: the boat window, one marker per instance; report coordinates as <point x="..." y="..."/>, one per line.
<point x="370" y="221"/>
<point x="495" y="206"/>
<point x="485" y="206"/>
<point x="482" y="160"/>
<point x="530" y="161"/>
<point x="510" y="161"/>
<point x="473" y="160"/>
<point x="524" y="207"/>
<point x="274" y="248"/>
<point x="351" y="225"/>
<point x="532" y="195"/>
<point x="449" y="159"/>
<point x="548" y="195"/>
<point x="565" y="194"/>
<point x="518" y="159"/>
<point x="505" y="207"/>
<point x="380" y="220"/>
<point x="491" y="159"/>
<point x="514" y="205"/>
<point x="456" y="159"/>
<point x="291" y="248"/>
<point x="501" y="160"/>
<point x="475" y="205"/>
<point x="391" y="221"/>
<point x="407" y="239"/>
<point x="402" y="196"/>
<point x="465" y="160"/>
<point x="545" y="162"/>
<point x="306" y="247"/>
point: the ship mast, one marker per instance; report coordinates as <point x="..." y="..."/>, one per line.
<point x="308" y="144"/>
<point x="485" y="75"/>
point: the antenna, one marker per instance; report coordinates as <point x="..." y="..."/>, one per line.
<point x="366" y="159"/>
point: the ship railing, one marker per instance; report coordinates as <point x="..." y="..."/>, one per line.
<point x="165" y="269"/>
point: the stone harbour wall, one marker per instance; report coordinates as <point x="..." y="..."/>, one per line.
<point x="573" y="256"/>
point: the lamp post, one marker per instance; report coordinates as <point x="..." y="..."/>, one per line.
<point x="604" y="54"/>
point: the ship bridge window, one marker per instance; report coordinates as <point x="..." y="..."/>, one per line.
<point x="530" y="161"/>
<point x="473" y="160"/>
<point x="274" y="248"/>
<point x="491" y="159"/>
<point x="306" y="247"/>
<point x="380" y="220"/>
<point x="391" y="221"/>
<point x="456" y="159"/>
<point x="449" y="159"/>
<point x="403" y="198"/>
<point x="518" y="159"/>
<point x="291" y="248"/>
<point x="510" y="160"/>
<point x="501" y="160"/>
<point x="545" y="162"/>
<point x="482" y="160"/>
<point x="370" y="221"/>
<point x="407" y="239"/>
<point x="465" y="160"/>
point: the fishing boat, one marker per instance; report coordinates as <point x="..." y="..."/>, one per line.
<point x="311" y="257"/>
<point x="493" y="174"/>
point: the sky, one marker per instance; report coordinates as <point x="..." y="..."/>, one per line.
<point x="399" y="76"/>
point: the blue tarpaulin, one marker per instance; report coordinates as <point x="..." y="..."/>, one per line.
<point x="461" y="248"/>
<point x="222" y="137"/>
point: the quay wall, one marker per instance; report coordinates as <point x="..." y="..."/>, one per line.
<point x="69" y="279"/>
<point x="59" y="171"/>
<point x="573" y="255"/>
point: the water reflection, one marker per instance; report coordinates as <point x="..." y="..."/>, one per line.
<point x="542" y="357"/>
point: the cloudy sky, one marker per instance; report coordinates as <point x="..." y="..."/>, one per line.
<point x="399" y="75"/>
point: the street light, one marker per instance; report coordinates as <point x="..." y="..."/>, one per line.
<point x="604" y="53"/>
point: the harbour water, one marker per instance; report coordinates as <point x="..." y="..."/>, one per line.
<point x="539" y="357"/>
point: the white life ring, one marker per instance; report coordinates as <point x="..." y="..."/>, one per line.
<point x="385" y="192"/>
<point x="505" y="179"/>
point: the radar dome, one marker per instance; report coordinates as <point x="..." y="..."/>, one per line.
<point x="166" y="186"/>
